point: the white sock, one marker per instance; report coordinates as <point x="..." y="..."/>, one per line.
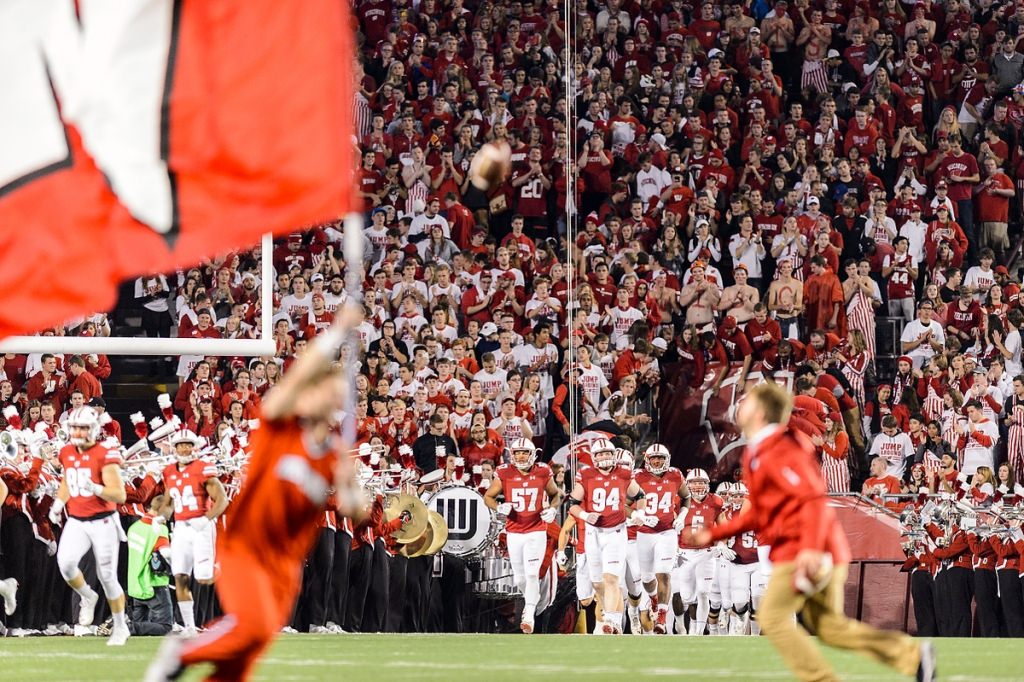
<point x="188" y="618"/>
<point x="663" y="607"/>
<point x="85" y="592"/>
<point x="120" y="621"/>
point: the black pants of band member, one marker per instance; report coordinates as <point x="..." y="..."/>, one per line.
<point x="376" y="610"/>
<point x="395" y="619"/>
<point x="360" y="565"/>
<point x="316" y="577"/>
<point x="1011" y="601"/>
<point x="338" y="595"/>
<point x="959" y="592"/>
<point x="152" y="617"/>
<point x="986" y="598"/>
<point x="922" y="590"/>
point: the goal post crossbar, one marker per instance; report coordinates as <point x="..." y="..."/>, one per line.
<point x="84" y="345"/>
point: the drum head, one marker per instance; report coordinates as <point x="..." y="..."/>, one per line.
<point x="435" y="476"/>
<point x="466" y="517"/>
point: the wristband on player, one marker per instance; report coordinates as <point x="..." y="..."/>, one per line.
<point x="57" y="507"/>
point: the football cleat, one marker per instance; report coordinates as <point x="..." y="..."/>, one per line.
<point x="635" y="627"/>
<point x="661" y="624"/>
<point x="526" y="626"/>
<point x="119" y="636"/>
<point x="87" y="609"/>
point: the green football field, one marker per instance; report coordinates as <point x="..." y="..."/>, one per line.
<point x="496" y="657"/>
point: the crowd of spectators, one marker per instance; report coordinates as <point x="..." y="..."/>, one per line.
<point x="751" y="185"/>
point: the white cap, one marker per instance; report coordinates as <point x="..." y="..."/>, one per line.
<point x="488" y="329"/>
<point x="660" y="139"/>
<point x="715" y="52"/>
<point x="660" y="343"/>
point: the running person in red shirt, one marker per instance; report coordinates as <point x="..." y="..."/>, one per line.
<point x="294" y="464"/>
<point x="90" y="490"/>
<point x="809" y="553"/>
<point x="524" y="484"/>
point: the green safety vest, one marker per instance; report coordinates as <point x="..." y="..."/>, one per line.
<point x="141" y="539"/>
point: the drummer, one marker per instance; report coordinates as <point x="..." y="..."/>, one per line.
<point x="523" y="483"/>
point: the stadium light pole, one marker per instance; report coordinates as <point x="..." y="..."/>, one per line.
<point x="110" y="345"/>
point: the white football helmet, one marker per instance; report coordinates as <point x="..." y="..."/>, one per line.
<point x="625" y="457"/>
<point x="724" y="489"/>
<point x="602" y="452"/>
<point x="84" y="417"/>
<point x="653" y="452"/>
<point x="698" y="483"/>
<point x="524" y="453"/>
<point x="184" y="443"/>
<point x="739" y="493"/>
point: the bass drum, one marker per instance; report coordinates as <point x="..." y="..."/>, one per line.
<point x="471" y="525"/>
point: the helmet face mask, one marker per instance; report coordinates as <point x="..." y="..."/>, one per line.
<point x="184" y="444"/>
<point x="83" y="418"/>
<point x="698" y="483"/>
<point x="603" y="454"/>
<point x="656" y="453"/>
<point x="185" y="452"/>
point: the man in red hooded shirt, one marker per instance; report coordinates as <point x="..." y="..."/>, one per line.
<point x="809" y="552"/>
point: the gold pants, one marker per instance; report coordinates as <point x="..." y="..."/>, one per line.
<point x="823" y="615"/>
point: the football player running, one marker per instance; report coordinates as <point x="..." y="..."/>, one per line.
<point x="90" y="490"/>
<point x="693" y="578"/>
<point x="746" y="581"/>
<point x="599" y="496"/>
<point x="197" y="498"/>
<point x="662" y="486"/>
<point x="531" y="498"/>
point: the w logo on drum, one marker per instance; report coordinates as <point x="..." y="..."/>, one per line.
<point x="461" y="517"/>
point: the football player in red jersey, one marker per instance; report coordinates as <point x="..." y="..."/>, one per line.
<point x="90" y="490"/>
<point x="746" y="579"/>
<point x="524" y="484"/>
<point x="693" y="580"/>
<point x="296" y="458"/>
<point x="197" y="498"/>
<point x="599" y="497"/>
<point x="662" y="485"/>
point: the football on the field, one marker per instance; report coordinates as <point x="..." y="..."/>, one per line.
<point x="490" y="165"/>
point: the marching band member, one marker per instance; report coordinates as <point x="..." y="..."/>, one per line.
<point x="599" y="497"/>
<point x="196" y="497"/>
<point x="8" y="586"/>
<point x="524" y="483"/>
<point x="90" y="490"/>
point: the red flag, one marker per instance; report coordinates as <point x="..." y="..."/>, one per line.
<point x="140" y="138"/>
